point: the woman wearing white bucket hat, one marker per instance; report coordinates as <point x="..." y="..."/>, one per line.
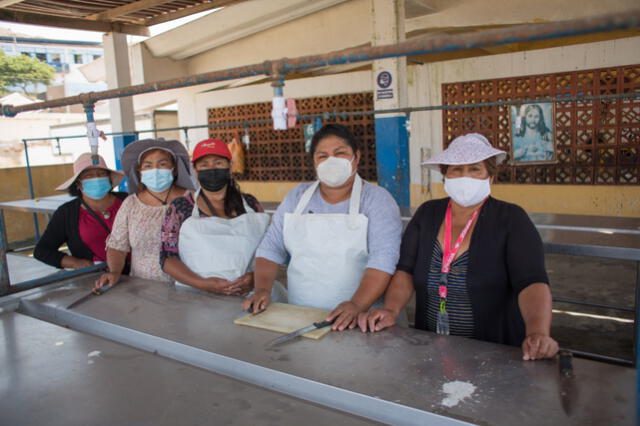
<point x="476" y="263"/>
<point x="157" y="173"/>
<point x="84" y="223"/>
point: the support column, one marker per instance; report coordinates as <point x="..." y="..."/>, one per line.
<point x="390" y="91"/>
<point x="116" y="59"/>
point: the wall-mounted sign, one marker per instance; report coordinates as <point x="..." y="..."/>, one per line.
<point x="384" y="80"/>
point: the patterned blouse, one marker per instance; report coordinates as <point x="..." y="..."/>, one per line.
<point x="180" y="210"/>
<point x="136" y="229"/>
<point x="458" y="303"/>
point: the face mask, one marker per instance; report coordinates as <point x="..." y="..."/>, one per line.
<point x="96" y="188"/>
<point x="467" y="191"/>
<point x="334" y="171"/>
<point x="213" y="179"/>
<point x="157" y="180"/>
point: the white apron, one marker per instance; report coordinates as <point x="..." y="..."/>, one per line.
<point x="328" y="252"/>
<point x="219" y="247"/>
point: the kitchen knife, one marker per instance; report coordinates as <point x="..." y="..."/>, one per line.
<point x="315" y="326"/>
<point x="567" y="381"/>
<point x="94" y="292"/>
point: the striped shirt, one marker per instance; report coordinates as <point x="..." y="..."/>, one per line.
<point x="458" y="303"/>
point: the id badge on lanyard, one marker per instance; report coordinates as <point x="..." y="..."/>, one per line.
<point x="442" y="325"/>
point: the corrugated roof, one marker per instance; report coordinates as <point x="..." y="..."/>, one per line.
<point x="126" y="16"/>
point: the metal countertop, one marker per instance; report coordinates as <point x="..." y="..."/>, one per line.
<point x="55" y="376"/>
<point x="404" y="366"/>
<point x="45" y="205"/>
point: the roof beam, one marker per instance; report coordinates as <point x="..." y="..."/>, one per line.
<point x="72" y="23"/>
<point x="188" y="11"/>
<point x="7" y="3"/>
<point x="126" y="9"/>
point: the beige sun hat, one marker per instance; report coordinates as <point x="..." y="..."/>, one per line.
<point x="466" y="149"/>
<point x="85" y="162"/>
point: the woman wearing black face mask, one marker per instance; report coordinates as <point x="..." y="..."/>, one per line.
<point x="209" y="237"/>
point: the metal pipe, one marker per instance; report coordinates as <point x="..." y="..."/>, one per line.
<point x="594" y="305"/>
<point x="420" y="46"/>
<point x="328" y="115"/>
<point x="36" y="226"/>
<point x="5" y="283"/>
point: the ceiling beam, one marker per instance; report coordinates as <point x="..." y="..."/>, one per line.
<point x="72" y="23"/>
<point x="188" y="11"/>
<point x="7" y="3"/>
<point x="109" y="14"/>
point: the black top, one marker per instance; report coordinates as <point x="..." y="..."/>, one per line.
<point x="505" y="256"/>
<point x="63" y="228"/>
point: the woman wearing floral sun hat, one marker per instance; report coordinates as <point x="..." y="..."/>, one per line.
<point x="158" y="172"/>
<point x="85" y="222"/>
<point x="476" y="263"/>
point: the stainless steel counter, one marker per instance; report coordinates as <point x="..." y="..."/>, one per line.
<point x="399" y="372"/>
<point x="55" y="376"/>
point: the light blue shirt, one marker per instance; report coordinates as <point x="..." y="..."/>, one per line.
<point x="383" y="235"/>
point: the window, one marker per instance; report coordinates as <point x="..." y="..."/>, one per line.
<point x="96" y="57"/>
<point x="26" y="54"/>
<point x="42" y="56"/>
<point x="77" y="58"/>
<point x="54" y="57"/>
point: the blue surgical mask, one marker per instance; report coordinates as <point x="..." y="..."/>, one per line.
<point x="96" y="188"/>
<point x="157" y="180"/>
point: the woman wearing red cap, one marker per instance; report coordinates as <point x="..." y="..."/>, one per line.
<point x="209" y="238"/>
<point x="476" y="263"/>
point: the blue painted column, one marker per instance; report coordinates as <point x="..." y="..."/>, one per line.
<point x="390" y="91"/>
<point x="392" y="157"/>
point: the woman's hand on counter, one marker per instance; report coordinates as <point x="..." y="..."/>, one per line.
<point x="344" y="316"/>
<point x="257" y="302"/>
<point x="538" y="346"/>
<point x="376" y="320"/>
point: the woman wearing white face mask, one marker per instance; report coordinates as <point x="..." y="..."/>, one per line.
<point x="340" y="235"/>
<point x="157" y="173"/>
<point x="476" y="263"/>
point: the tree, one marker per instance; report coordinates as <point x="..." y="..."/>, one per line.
<point x="22" y="71"/>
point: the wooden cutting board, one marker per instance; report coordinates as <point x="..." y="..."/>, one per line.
<point x="285" y="318"/>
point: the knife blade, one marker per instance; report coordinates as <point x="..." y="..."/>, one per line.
<point x="315" y="326"/>
<point x="568" y="389"/>
<point x="94" y="292"/>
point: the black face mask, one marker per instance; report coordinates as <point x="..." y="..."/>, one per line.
<point x="213" y="180"/>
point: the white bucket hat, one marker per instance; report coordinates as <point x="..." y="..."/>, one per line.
<point x="466" y="149"/>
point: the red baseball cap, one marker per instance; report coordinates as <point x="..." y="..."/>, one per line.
<point x="211" y="146"/>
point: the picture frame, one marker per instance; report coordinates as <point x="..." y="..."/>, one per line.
<point x="533" y="134"/>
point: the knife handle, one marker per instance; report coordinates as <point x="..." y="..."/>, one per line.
<point x="566" y="362"/>
<point x="323" y="324"/>
<point x="102" y="290"/>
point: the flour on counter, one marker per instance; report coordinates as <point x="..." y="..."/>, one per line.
<point x="456" y="391"/>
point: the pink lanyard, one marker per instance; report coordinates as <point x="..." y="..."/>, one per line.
<point x="449" y="253"/>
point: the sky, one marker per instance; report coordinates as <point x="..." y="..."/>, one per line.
<point x="64" y="34"/>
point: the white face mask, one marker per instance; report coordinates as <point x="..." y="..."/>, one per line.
<point x="467" y="191"/>
<point x="334" y="171"/>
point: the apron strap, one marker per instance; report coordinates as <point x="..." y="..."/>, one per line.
<point x="195" y="212"/>
<point x="247" y="208"/>
<point x="356" y="191"/>
<point x="354" y="200"/>
<point x="306" y="197"/>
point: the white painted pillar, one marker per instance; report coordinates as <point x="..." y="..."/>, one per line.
<point x="116" y="60"/>
<point x="390" y="91"/>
